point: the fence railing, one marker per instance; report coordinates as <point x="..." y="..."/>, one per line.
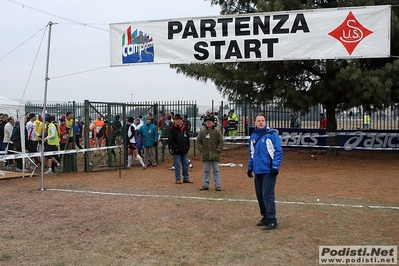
<point x="277" y="116"/>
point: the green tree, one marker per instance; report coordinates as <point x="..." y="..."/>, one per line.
<point x="372" y="83"/>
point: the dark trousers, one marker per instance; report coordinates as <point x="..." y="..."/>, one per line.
<point x="112" y="144"/>
<point x="77" y="141"/>
<point x="10" y="147"/>
<point x="226" y="131"/>
<point x="264" y="188"/>
<point x="18" y="148"/>
<point x="31" y="146"/>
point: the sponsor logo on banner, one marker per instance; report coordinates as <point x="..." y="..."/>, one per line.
<point x="373" y="140"/>
<point x="350" y="33"/>
<point x="137" y="47"/>
<point x="346" y="139"/>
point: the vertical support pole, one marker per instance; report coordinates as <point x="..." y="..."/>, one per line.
<point x="45" y="101"/>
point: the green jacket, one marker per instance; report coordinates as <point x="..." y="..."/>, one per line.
<point x="210" y="143"/>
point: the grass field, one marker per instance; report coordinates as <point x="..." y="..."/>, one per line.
<point x="143" y="218"/>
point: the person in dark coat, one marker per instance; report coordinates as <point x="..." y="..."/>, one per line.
<point x="179" y="145"/>
<point x="16" y="139"/>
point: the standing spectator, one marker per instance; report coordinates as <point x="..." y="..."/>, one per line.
<point x="3" y="122"/>
<point x="160" y="124"/>
<point x="78" y="131"/>
<point x="131" y="144"/>
<point x="232" y="123"/>
<point x="265" y="156"/>
<point x="167" y="124"/>
<point x="105" y="141"/>
<point x="99" y="132"/>
<point x="43" y="114"/>
<point x="31" y="127"/>
<point x="92" y="141"/>
<point x="31" y="144"/>
<point x="27" y="114"/>
<point x="63" y="136"/>
<point x="7" y="140"/>
<point x="246" y="127"/>
<point x="138" y="123"/>
<point x="172" y="117"/>
<point x="16" y="139"/>
<point x="52" y="142"/>
<point x="207" y="114"/>
<point x="292" y="121"/>
<point x="149" y="133"/>
<point x="39" y="131"/>
<point x="225" y="124"/>
<point x="116" y="133"/>
<point x="187" y="125"/>
<point x="210" y="144"/>
<point x="323" y="122"/>
<point x="70" y="129"/>
<point x="366" y="120"/>
<point x="39" y="127"/>
<point x="216" y="119"/>
<point x="179" y="145"/>
<point x="297" y="121"/>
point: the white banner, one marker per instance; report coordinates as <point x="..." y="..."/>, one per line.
<point x="356" y="32"/>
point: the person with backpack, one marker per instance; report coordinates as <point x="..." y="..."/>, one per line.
<point x="265" y="156"/>
<point x="131" y="144"/>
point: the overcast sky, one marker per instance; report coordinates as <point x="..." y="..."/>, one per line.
<point x="76" y="48"/>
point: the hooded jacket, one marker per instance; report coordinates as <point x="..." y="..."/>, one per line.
<point x="266" y="153"/>
<point x="149" y="133"/>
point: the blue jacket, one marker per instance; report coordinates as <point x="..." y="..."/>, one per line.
<point x="259" y="156"/>
<point x="149" y="133"/>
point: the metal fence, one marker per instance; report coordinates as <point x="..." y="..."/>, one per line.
<point x="108" y="110"/>
<point x="279" y="117"/>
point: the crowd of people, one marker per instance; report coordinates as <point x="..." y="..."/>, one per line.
<point x="66" y="132"/>
<point x="11" y="142"/>
<point x="143" y="136"/>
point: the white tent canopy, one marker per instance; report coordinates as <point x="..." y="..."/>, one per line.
<point x="12" y="108"/>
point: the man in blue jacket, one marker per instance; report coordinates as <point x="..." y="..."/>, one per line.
<point x="149" y="132"/>
<point x="265" y="156"/>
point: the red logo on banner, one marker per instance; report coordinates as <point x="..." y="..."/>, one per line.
<point x="350" y="33"/>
